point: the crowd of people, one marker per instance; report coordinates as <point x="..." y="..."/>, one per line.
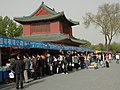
<point x="37" y="66"/>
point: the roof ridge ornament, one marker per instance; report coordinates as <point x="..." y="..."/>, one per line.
<point x="53" y="9"/>
<point x="42" y="2"/>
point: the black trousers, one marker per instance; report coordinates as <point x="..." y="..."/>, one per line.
<point x="19" y="80"/>
<point x="117" y="61"/>
<point x="107" y="64"/>
<point x="76" y="66"/>
<point x="35" y="74"/>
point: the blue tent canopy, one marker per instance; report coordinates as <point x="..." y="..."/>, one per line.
<point x="13" y="42"/>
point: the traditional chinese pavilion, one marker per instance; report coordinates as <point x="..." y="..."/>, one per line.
<point x="47" y="25"/>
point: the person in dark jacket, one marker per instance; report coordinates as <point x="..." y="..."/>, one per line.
<point x="82" y="61"/>
<point x="40" y="61"/>
<point x="27" y="67"/>
<point x="35" y="66"/>
<point x="19" y="68"/>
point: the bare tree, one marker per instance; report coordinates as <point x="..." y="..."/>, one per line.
<point x="108" y="19"/>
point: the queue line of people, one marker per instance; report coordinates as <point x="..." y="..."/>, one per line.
<point x="38" y="66"/>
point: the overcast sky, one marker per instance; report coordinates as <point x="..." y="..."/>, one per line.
<point x="73" y="9"/>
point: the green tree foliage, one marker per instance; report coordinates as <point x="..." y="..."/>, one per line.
<point x="115" y="47"/>
<point x="9" y="28"/>
<point x="108" y="19"/>
<point x="86" y="45"/>
<point x="99" y="46"/>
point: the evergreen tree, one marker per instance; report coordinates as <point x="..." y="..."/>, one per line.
<point x="9" y="28"/>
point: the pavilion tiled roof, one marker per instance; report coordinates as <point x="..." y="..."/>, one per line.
<point x="37" y="18"/>
<point x="54" y="15"/>
<point x="52" y="38"/>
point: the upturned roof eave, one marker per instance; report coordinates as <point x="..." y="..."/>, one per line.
<point x="27" y="19"/>
<point x="44" y="18"/>
<point x="74" y="39"/>
<point x="51" y="38"/>
<point x="77" y="41"/>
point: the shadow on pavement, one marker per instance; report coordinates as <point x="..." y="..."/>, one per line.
<point x="11" y="86"/>
<point x="7" y="86"/>
<point x="33" y="83"/>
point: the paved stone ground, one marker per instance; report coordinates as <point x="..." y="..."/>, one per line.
<point x="100" y="79"/>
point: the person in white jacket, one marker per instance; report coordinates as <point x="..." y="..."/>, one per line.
<point x="117" y="58"/>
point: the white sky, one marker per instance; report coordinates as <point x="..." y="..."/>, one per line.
<point x="73" y="9"/>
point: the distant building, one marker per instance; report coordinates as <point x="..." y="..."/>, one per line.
<point x="47" y="25"/>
